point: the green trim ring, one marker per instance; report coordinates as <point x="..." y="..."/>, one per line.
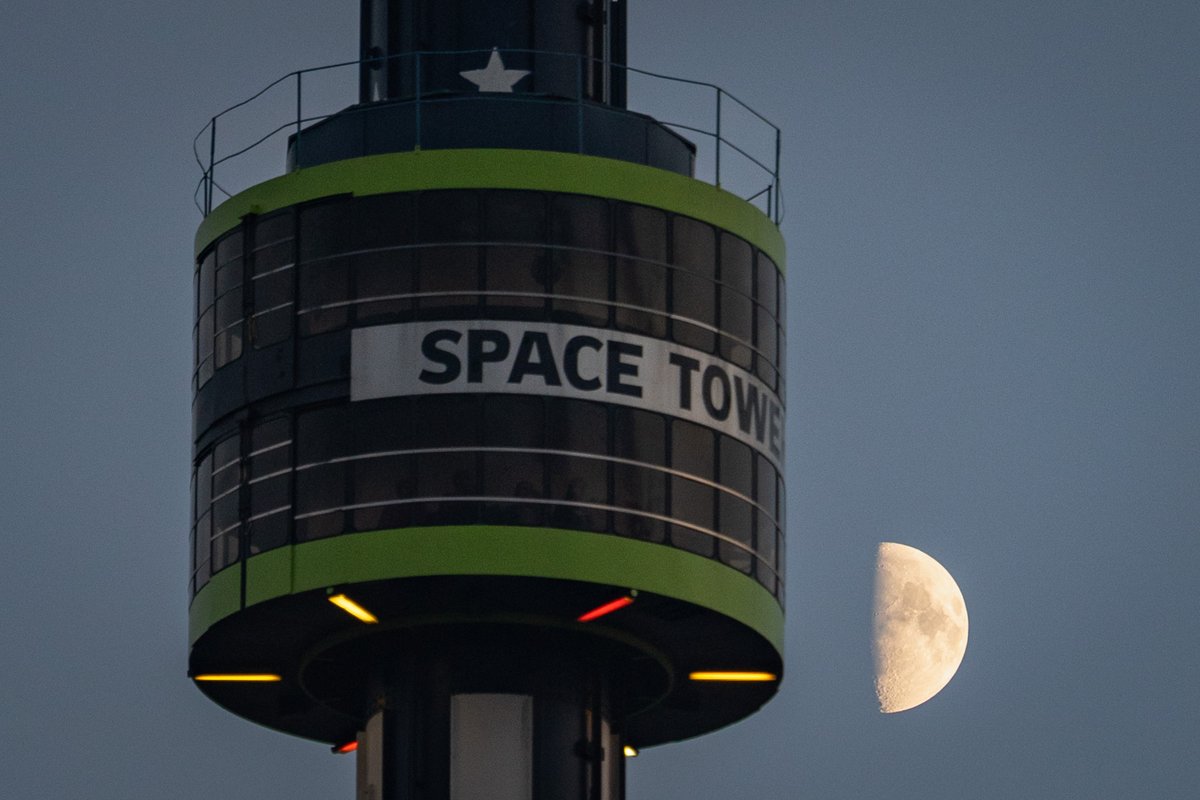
<point x="494" y="551"/>
<point x="502" y="169"/>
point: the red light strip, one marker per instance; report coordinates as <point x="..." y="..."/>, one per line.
<point x="348" y="747"/>
<point x="607" y="608"/>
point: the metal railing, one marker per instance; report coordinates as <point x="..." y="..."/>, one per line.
<point x="739" y="151"/>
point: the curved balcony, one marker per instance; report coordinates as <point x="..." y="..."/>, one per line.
<point x="474" y="99"/>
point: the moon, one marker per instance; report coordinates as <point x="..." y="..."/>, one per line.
<point x="920" y="627"/>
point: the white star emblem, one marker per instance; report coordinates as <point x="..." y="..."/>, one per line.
<point x="494" y="78"/>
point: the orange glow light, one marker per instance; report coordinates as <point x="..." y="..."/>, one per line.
<point x="348" y="747"/>
<point x="737" y="677"/>
<point x="607" y="608"/>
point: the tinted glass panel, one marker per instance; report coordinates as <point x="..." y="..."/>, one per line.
<point x="737" y="466"/>
<point x="639" y="435"/>
<point x="229" y="248"/>
<point x="387" y="275"/>
<point x="273" y="228"/>
<point x="325" y="229"/>
<point x="320" y="488"/>
<point x="320" y="435"/>
<point x="578" y="274"/>
<point x="644" y="285"/>
<point x="579" y="221"/>
<point x="695" y="246"/>
<point x="692" y="448"/>
<point x="450" y="216"/>
<point x="737" y="263"/>
<point x="641" y="231"/>
<point x="513" y="421"/>
<point x="323" y="283"/>
<point x="577" y="425"/>
<point x="766" y="287"/>
<point x="515" y="217"/>
<point x="384" y="221"/>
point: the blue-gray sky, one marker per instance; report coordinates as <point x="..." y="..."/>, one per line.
<point x="994" y="241"/>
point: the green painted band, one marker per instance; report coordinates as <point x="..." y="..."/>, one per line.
<point x="492" y="550"/>
<point x="502" y="169"/>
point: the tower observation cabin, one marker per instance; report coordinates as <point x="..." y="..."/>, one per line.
<point x="487" y="406"/>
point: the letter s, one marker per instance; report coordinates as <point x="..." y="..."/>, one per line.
<point x="429" y="349"/>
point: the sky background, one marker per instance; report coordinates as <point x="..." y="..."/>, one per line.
<point x="994" y="241"/>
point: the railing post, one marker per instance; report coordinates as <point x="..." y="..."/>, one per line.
<point x="718" y="136"/>
<point x="299" y="116"/>
<point x="777" y="147"/>
<point x="212" y="157"/>
<point x="417" y="106"/>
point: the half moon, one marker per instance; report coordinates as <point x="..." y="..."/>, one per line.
<point x="920" y="627"/>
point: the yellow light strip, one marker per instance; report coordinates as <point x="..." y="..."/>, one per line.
<point x="630" y="751"/>
<point x="234" y="677"/>
<point x="352" y="608"/>
<point x="735" y="677"/>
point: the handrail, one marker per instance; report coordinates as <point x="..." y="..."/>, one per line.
<point x="720" y="136"/>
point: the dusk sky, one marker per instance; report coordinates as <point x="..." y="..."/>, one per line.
<point x="993" y="229"/>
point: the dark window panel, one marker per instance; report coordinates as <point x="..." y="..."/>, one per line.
<point x="321" y="435"/>
<point x="694" y="298"/>
<point x="737" y="263"/>
<point x="270" y="461"/>
<point x="446" y="420"/>
<point x="583" y="275"/>
<point x="579" y="480"/>
<point x="692" y="502"/>
<point x="692" y="448"/>
<point x="225" y="548"/>
<point x="695" y="246"/>
<point x="765" y="577"/>
<point x="271" y="229"/>
<point x="636" y="526"/>
<point x="325" y="229"/>
<point x="320" y="527"/>
<point x="518" y="270"/>
<point x="737" y="466"/>
<point x="379" y="518"/>
<point x="737" y="352"/>
<point x="383" y="275"/>
<point x="578" y="221"/>
<point x="205" y="371"/>
<point x="447" y="475"/>
<point x="514" y="475"/>
<point x="765" y="481"/>
<point x="384" y="221"/>
<point x="269" y="494"/>
<point x="192" y="499"/>
<point x="764" y="538"/>
<point x="274" y="257"/>
<point x="736" y="315"/>
<point x="449" y="269"/>
<point x="272" y="327"/>
<point x="323" y="283"/>
<point x="640" y="231"/>
<point x="380" y="426"/>
<point x="205" y="284"/>
<point x="202" y="555"/>
<point x="735" y="519"/>
<point x="511" y="216"/>
<point x="644" y="285"/>
<point x="204" y="483"/>
<point x="765" y="339"/>
<point x="204" y="335"/>
<point x="225" y="512"/>
<point x="230" y="247"/>
<point x="321" y="488"/>
<point x="577" y="425"/>
<point x="226" y="478"/>
<point x="228" y="345"/>
<point x="513" y="421"/>
<point x="273" y="290"/>
<point x="693" y="336"/>
<point x="229" y="308"/>
<point x="384" y="478"/>
<point x="639" y="435"/>
<point x="448" y="216"/>
<point x="229" y="276"/>
<point x="766" y="287"/>
<point x="639" y="488"/>
<point x="269" y="432"/>
<point x="268" y="533"/>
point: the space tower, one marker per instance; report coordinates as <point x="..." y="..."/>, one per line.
<point x="488" y="430"/>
